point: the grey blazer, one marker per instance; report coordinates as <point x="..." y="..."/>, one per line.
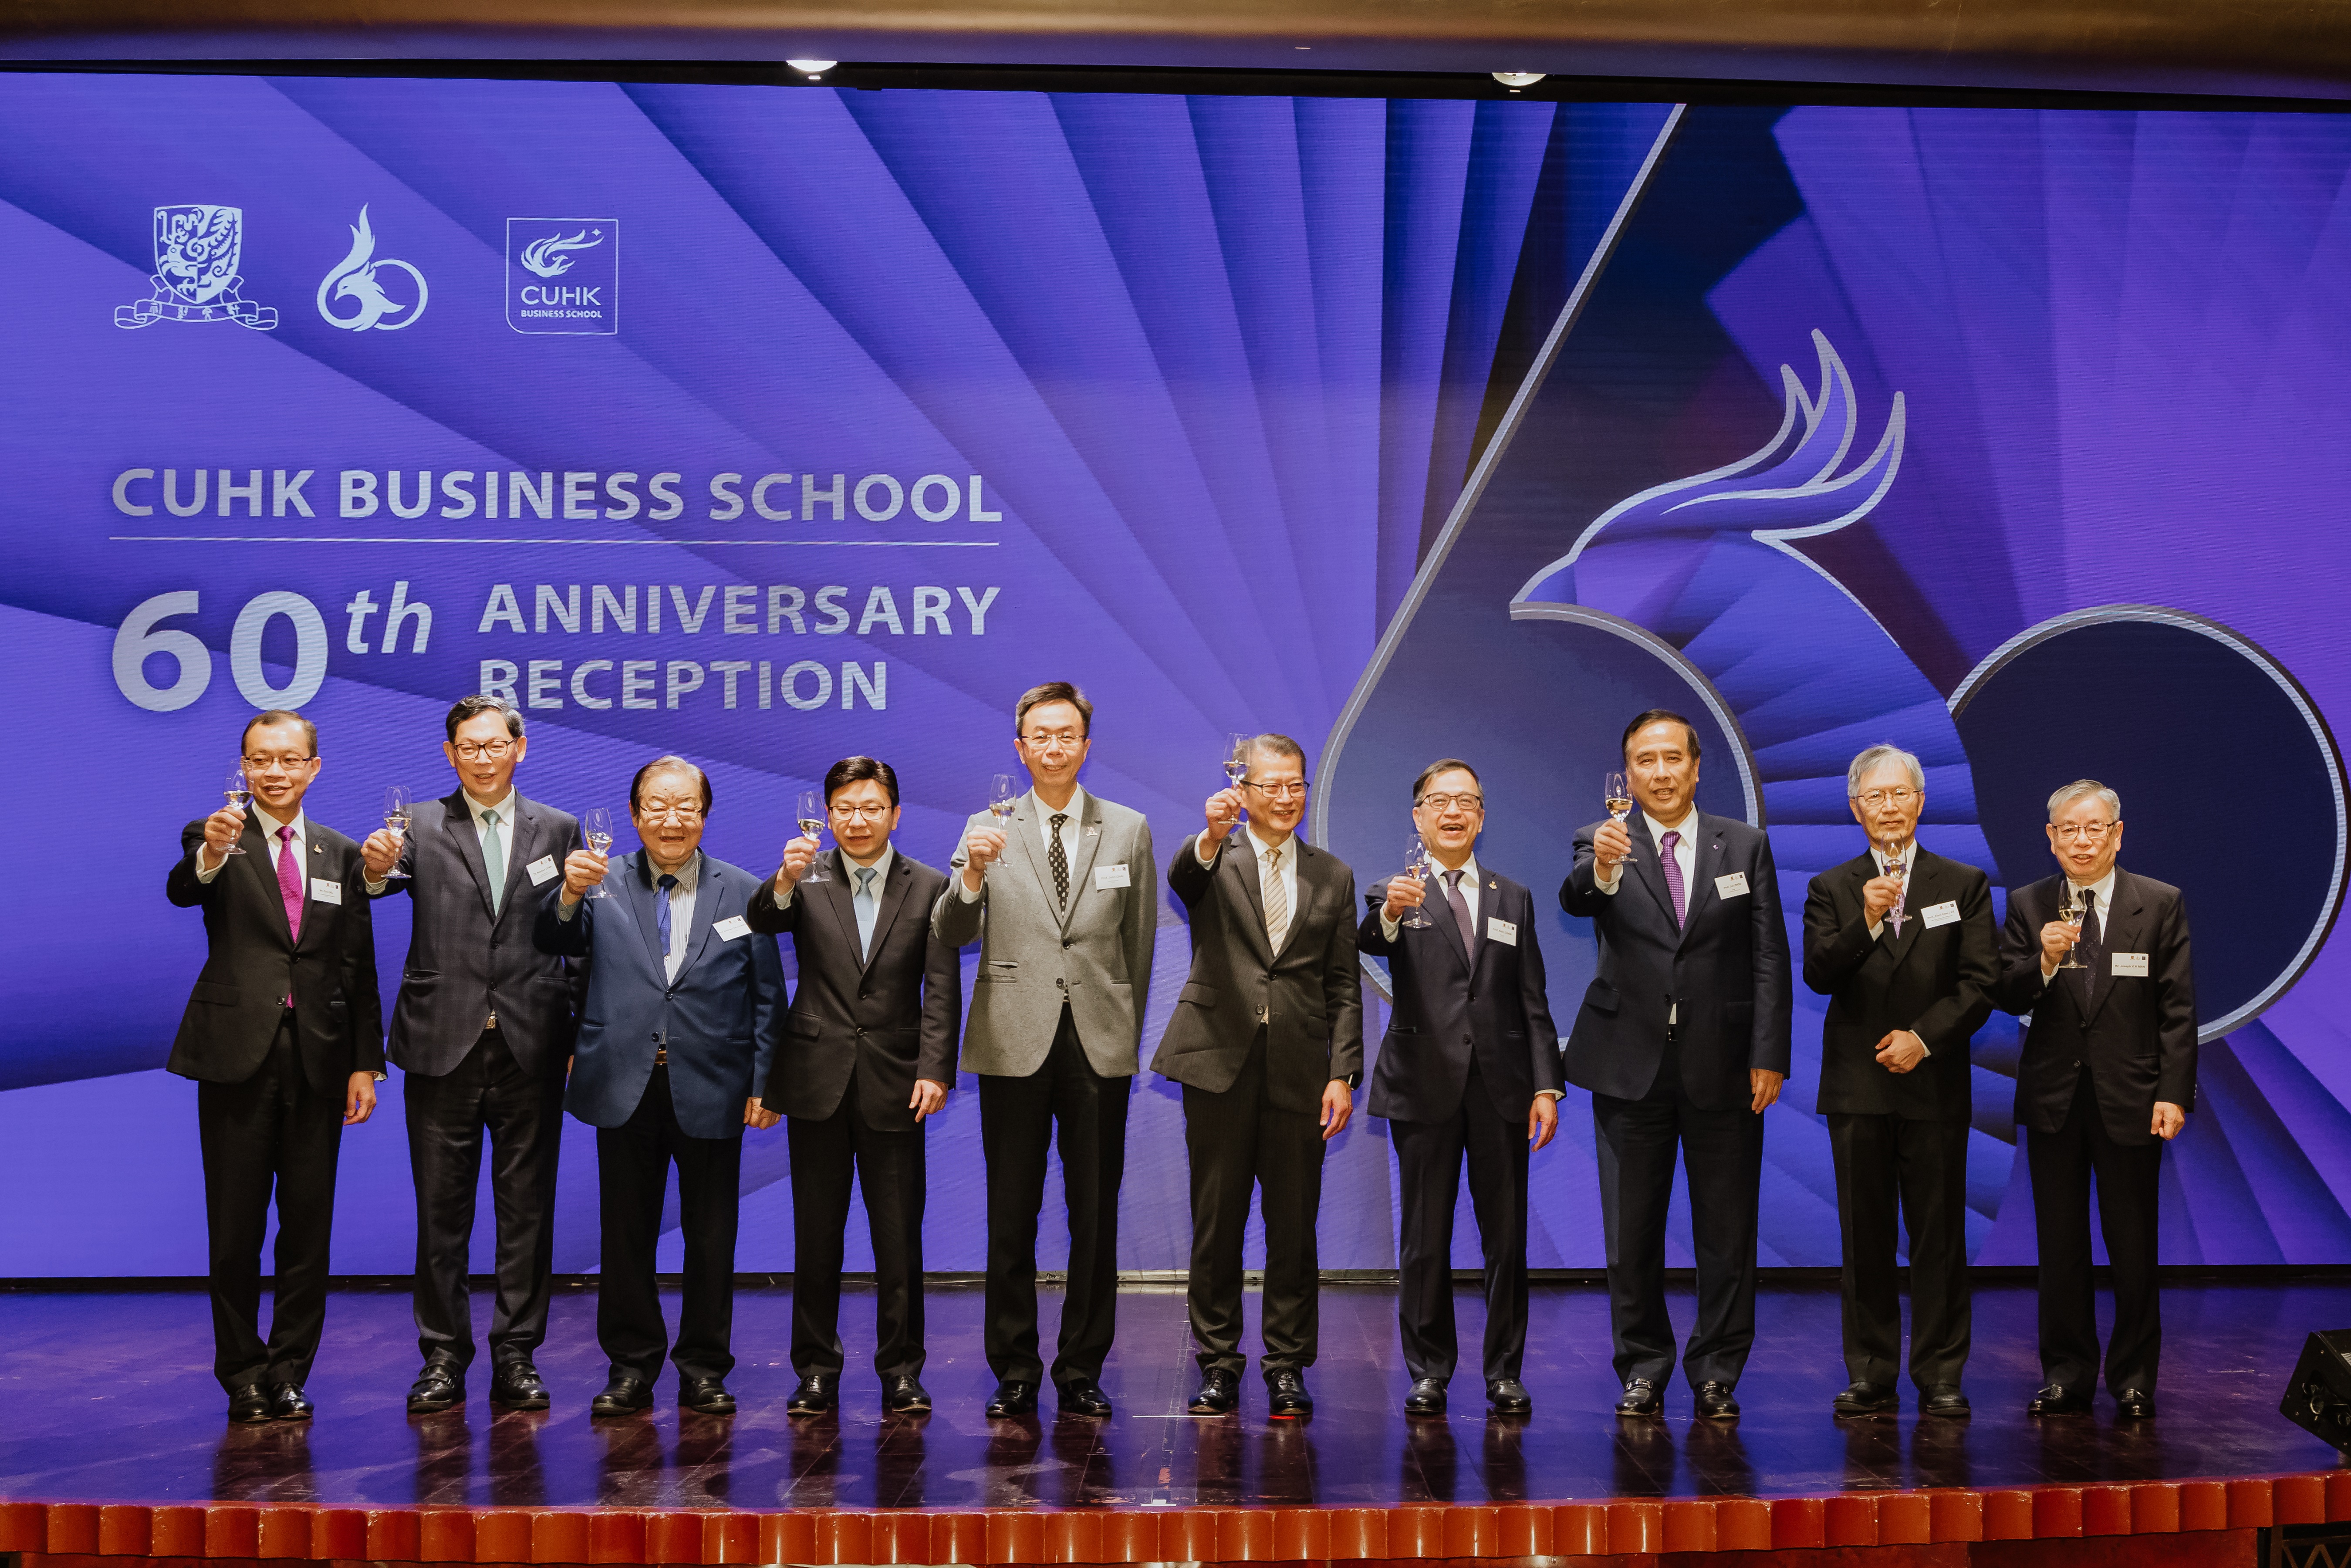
<point x="1033" y="956"/>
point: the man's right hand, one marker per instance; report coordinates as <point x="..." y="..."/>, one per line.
<point x="221" y="829"/>
<point x="798" y="855"/>
<point x="381" y="854"/>
<point x="582" y="869"/>
<point x="982" y="847"/>
<point x="2057" y="939"/>
<point x="1223" y="811"/>
<point x="1878" y="896"/>
<point x="1404" y="893"/>
<point x="1611" y="846"/>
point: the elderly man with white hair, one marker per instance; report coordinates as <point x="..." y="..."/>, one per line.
<point x="2098" y="957"/>
<point x="1900" y="941"/>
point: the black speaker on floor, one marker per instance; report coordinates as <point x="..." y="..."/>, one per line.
<point x="2318" y="1395"/>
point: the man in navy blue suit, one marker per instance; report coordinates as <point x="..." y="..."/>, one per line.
<point x="1468" y="1072"/>
<point x="685" y="1008"/>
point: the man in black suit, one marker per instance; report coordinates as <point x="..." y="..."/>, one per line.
<point x="481" y="1030"/>
<point x="283" y="1036"/>
<point x="1468" y="1071"/>
<point x="1901" y="942"/>
<point x="2107" y="1078"/>
<point x="1267" y="1042"/>
<point x="1683" y="1040"/>
<point x="867" y="1054"/>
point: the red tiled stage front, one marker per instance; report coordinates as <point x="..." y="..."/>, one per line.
<point x="114" y="1447"/>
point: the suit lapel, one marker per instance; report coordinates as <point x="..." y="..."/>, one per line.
<point x="893" y="898"/>
<point x="317" y="863"/>
<point x="2121" y="930"/>
<point x="1028" y="827"/>
<point x="457" y="821"/>
<point x="707" y="881"/>
<point x="1240" y="863"/>
<point x="1648" y="869"/>
<point x="1309" y="867"/>
<point x="1440" y="910"/>
<point x="1705" y="865"/>
<point x="1089" y="842"/>
<point x="840" y="896"/>
<point x="637" y="887"/>
<point x="522" y="842"/>
<point x="256" y="844"/>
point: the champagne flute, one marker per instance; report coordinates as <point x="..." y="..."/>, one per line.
<point x="240" y="796"/>
<point x="1617" y="794"/>
<point x="1415" y="864"/>
<point x="596" y="827"/>
<point x="1236" y="755"/>
<point x="810" y="817"/>
<point x="396" y="808"/>
<point x="2071" y="910"/>
<point x="1901" y="875"/>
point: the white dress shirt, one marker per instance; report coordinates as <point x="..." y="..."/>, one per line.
<point x="2104" y="890"/>
<point x="1286" y="872"/>
<point x="1045" y="815"/>
<point x="270" y="826"/>
<point x="1685" y="858"/>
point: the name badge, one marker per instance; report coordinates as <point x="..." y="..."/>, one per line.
<point x="327" y="892"/>
<point x="1731" y="886"/>
<point x="541" y="870"/>
<point x="1503" y="931"/>
<point x="1936" y="914"/>
<point x="731" y="927"/>
<point x="2130" y="966"/>
<point x="1110" y="876"/>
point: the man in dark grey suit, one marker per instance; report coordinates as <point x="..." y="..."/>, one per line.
<point x="1060" y="900"/>
<point x="481" y="1030"/>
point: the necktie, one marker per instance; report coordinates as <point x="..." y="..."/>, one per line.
<point x="1059" y="859"/>
<point x="867" y="908"/>
<point x="1674" y="876"/>
<point x="494" y="860"/>
<point x="1277" y="901"/>
<point x="1460" y="907"/>
<point x="290" y="880"/>
<point x="2086" y="953"/>
<point x="661" y="911"/>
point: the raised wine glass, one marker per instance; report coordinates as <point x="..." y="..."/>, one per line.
<point x="396" y="808"/>
<point x="596" y="827"/>
<point x="240" y="796"/>
<point x="2071" y="911"/>
<point x="810" y="817"/>
<point x="1901" y="875"/>
<point x="1617" y="794"/>
<point x="1237" y="761"/>
<point x="1415" y="864"/>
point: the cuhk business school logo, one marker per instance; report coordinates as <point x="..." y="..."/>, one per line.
<point x="563" y="275"/>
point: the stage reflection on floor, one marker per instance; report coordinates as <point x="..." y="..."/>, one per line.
<point x="109" y="1397"/>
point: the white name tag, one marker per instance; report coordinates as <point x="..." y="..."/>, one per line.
<point x="1936" y="914"/>
<point x="541" y="870"/>
<point x="1109" y="876"/>
<point x="1731" y="886"/>
<point x="2131" y="965"/>
<point x="327" y="892"/>
<point x="731" y="927"/>
<point x="1503" y="931"/>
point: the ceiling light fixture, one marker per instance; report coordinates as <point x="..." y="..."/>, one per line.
<point x="1515" y="79"/>
<point x="811" y="69"/>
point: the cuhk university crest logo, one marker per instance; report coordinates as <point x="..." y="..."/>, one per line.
<point x="197" y="249"/>
<point x="563" y="275"/>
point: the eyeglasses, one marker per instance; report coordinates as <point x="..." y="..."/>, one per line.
<point x="1040" y="738"/>
<point x="1446" y="802"/>
<point x="2082" y="833"/>
<point x="1876" y="798"/>
<point x="1285" y="790"/>
<point x="653" y="812"/>
<point x="278" y="764"/>
<point x="472" y="751"/>
<point x="861" y="813"/>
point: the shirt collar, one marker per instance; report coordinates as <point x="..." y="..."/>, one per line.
<point x="1437" y="872"/>
<point x="1076" y="808"/>
<point x="2104" y="887"/>
<point x="1909" y="854"/>
<point x="269" y="824"/>
<point x="1687" y="827"/>
<point x="849" y="868"/>
<point x="1264" y="849"/>
<point x="687" y="874"/>
<point x="504" y="808"/>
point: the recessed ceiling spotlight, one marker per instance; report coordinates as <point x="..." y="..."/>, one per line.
<point x="1519" y="78"/>
<point x="811" y="67"/>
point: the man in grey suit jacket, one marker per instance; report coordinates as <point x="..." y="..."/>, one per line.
<point x="1061" y="899"/>
<point x="481" y="1030"/>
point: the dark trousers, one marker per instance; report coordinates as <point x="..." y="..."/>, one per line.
<point x="1429" y="1157"/>
<point x="447" y="1114"/>
<point x="2128" y="1177"/>
<point x="1239" y="1140"/>
<point x="274" y="1130"/>
<point x="633" y="1162"/>
<point x="1722" y="1152"/>
<point x="1017" y="1121"/>
<point x="1890" y="1167"/>
<point x="888" y="1167"/>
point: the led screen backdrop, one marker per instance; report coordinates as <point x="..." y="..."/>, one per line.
<point x="772" y="425"/>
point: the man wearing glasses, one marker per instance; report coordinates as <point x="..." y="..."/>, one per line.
<point x="283" y="1036"/>
<point x="1900" y="941"/>
<point x="1468" y="1072"/>
<point x="685" y="1011"/>
<point x="868" y="1053"/>
<point x="1267" y="1042"/>
<point x="481" y="1030"/>
<point x="1060" y="902"/>
<point x="2107" y="1079"/>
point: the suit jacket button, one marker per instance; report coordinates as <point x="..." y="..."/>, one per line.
<point x="861" y="1034"/>
<point x="1065" y="941"/>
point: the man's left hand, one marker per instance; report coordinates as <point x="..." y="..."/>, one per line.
<point x="758" y="1115"/>
<point x="358" y="1099"/>
<point x="927" y="1098"/>
<point x="2169" y="1120"/>
<point x="1543" y="1121"/>
<point x="1762" y="1088"/>
<point x="1900" y="1050"/>
<point x="1337" y="1104"/>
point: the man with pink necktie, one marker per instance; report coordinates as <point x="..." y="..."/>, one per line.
<point x="283" y="1036"/>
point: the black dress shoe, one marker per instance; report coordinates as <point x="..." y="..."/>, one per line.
<point x="1863" y="1397"/>
<point x="1286" y="1398"/>
<point x="516" y="1385"/>
<point x="1014" y="1397"/>
<point x="1944" y="1399"/>
<point x="625" y="1395"/>
<point x="249" y="1405"/>
<point x="1219" y="1394"/>
<point x="1716" y="1402"/>
<point x="1509" y="1397"/>
<point x="904" y="1395"/>
<point x="2135" y="1403"/>
<point x="1641" y="1398"/>
<point x="1084" y="1397"/>
<point x="441" y="1385"/>
<point x="288" y="1403"/>
<point x="818" y="1392"/>
<point x="705" y="1396"/>
<point x="2056" y="1400"/>
<point x="1427" y="1398"/>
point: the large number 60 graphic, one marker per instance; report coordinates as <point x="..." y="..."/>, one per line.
<point x="142" y="637"/>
